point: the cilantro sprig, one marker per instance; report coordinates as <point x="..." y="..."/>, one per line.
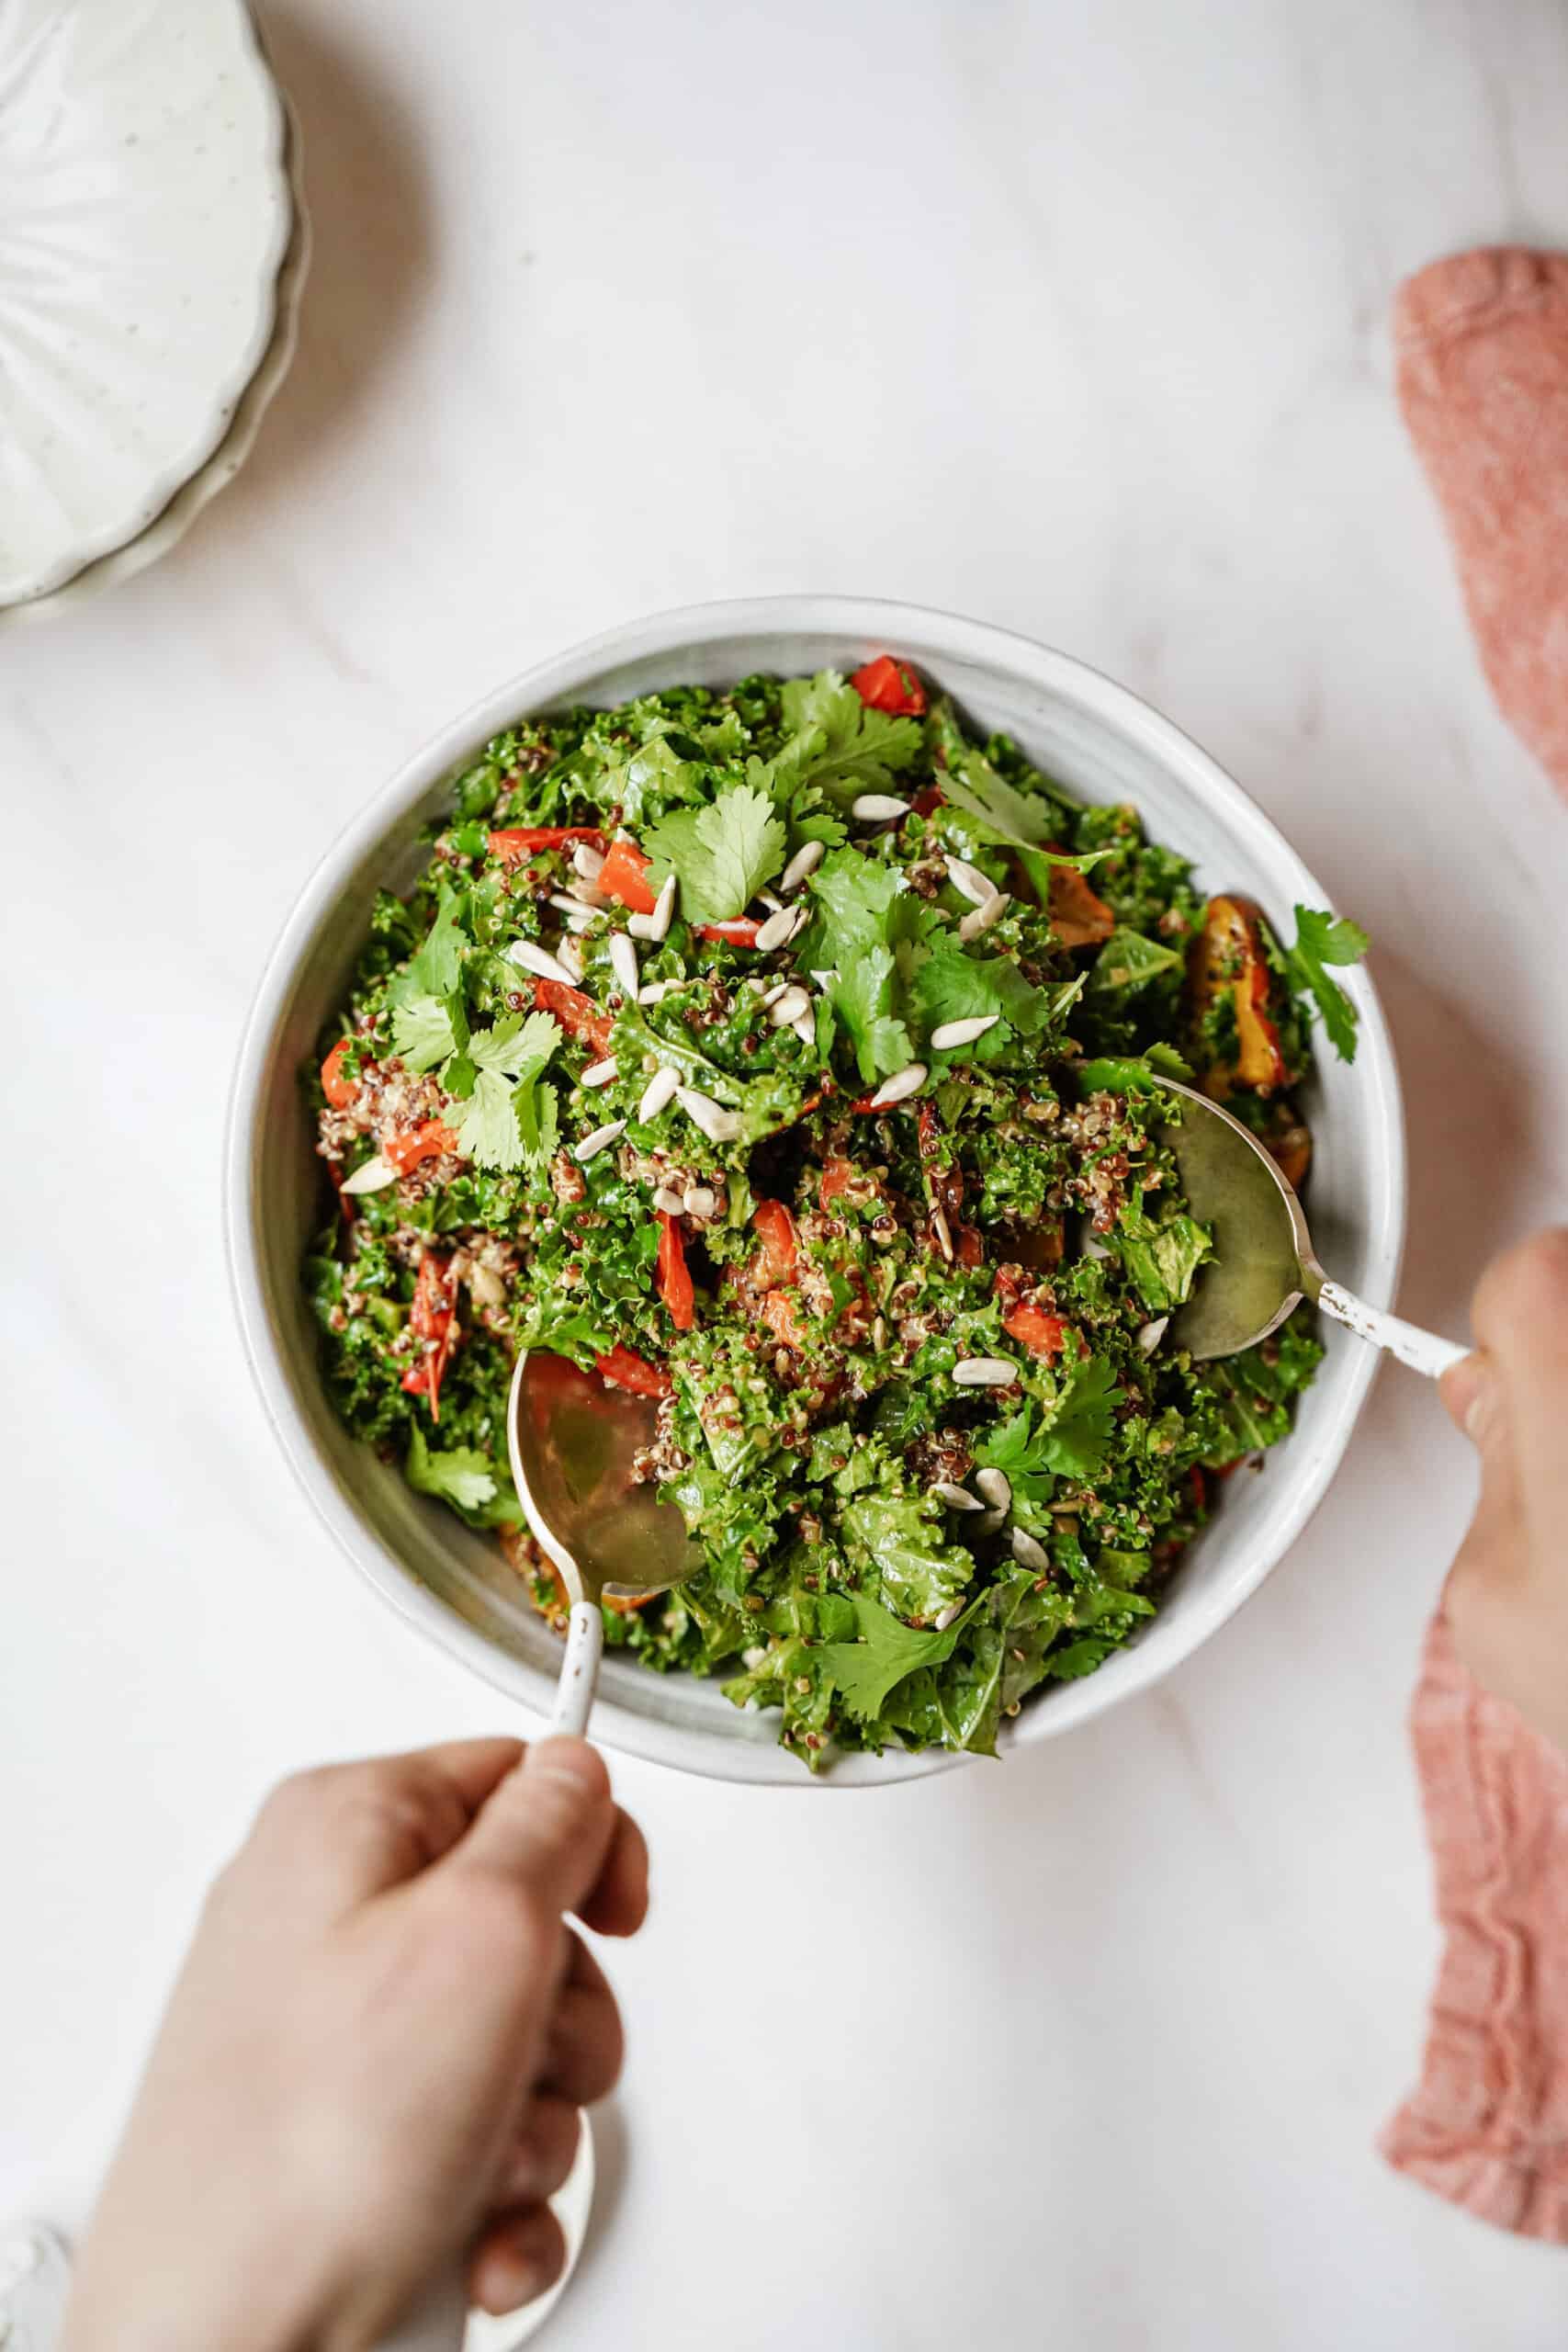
<point x="1322" y="940"/>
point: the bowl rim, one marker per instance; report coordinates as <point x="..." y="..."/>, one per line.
<point x="916" y="630"/>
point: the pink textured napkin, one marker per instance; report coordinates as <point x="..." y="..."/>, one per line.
<point x="1482" y="347"/>
<point x="1482" y="341"/>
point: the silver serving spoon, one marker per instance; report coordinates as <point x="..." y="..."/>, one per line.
<point x="573" y="1439"/>
<point x="1264" y="1263"/>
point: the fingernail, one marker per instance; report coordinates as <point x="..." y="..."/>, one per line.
<point x="1469" y="1391"/>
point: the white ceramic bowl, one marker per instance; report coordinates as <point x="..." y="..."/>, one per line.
<point x="1105" y="745"/>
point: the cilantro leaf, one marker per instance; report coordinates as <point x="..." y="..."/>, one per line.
<point x="865" y="1670"/>
<point x="486" y="1125"/>
<point x="721" y="853"/>
<point x="520" y="1046"/>
<point x="422" y="1032"/>
<point x="1076" y="1435"/>
<point x="1322" y="940"/>
<point x="509" y="1119"/>
<point x="460" y="1474"/>
<point x="438" y="966"/>
<point x="1128" y="960"/>
<point x="1133" y="1073"/>
<point x="841" y="743"/>
<point x="860" y="995"/>
<point x="949" y="984"/>
<point x="863" y="912"/>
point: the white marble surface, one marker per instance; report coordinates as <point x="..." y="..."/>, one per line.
<point x="1071" y="318"/>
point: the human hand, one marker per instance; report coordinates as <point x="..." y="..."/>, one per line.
<point x="373" y="2059"/>
<point x="1508" y="1593"/>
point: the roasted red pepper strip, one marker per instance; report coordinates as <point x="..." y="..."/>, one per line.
<point x="838" y="1175"/>
<point x="674" y="1281"/>
<point x="578" y="1015"/>
<point x="886" y="685"/>
<point x="739" y="932"/>
<point x="514" y="843"/>
<point x="622" y="876"/>
<point x="339" y="1091"/>
<point x="423" y="1142"/>
<point x="927" y="802"/>
<point x="781" y="1248"/>
<point x="629" y="1371"/>
<point x="1032" y="1328"/>
<point x="433" y="1318"/>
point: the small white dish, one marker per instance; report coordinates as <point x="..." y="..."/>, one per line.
<point x="147" y="212"/>
<point x="1103" y="744"/>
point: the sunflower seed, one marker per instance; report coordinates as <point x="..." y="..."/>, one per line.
<point x="1028" y="1553"/>
<point x="718" y="1124"/>
<point x="540" y="961"/>
<point x="1153" y="1334"/>
<point x="805" y="1027"/>
<point x="657" y="925"/>
<point x="899" y="1087"/>
<point x="879" y="1333"/>
<point x="700" y="1200"/>
<point x="806" y="861"/>
<point x="954" y="1609"/>
<point x="943" y="1232"/>
<point x="977" y="887"/>
<point x="779" y="928"/>
<point x="874" y="808"/>
<point x="600" y="1137"/>
<point x="788" y="1005"/>
<point x="957" y="1498"/>
<point x="951" y="1034"/>
<point x="571" y="952"/>
<point x="660" y="1090"/>
<point x="374" y="1177"/>
<point x="1093" y="1249"/>
<point x="993" y="1520"/>
<point x="674" y="1204"/>
<point x="623" y="963"/>
<point x="487" y="1286"/>
<point x="589" y="893"/>
<point x="768" y="901"/>
<point x="825" y="979"/>
<point x="655" y="992"/>
<point x="576" y="911"/>
<point x="997" y="1488"/>
<point x="588" y="861"/>
<point x="980" y="919"/>
<point x="599" y="1073"/>
<point x="985" y="1371"/>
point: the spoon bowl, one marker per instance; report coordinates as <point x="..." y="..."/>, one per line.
<point x="574" y="1439"/>
<point x="1264" y="1263"/>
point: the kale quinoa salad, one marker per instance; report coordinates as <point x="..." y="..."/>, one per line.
<point x="792" y="1057"/>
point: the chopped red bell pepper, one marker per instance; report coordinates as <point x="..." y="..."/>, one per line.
<point x="1032" y="1328"/>
<point x="886" y="685"/>
<point x="629" y="1371"/>
<point x="780" y="1315"/>
<point x="740" y="932"/>
<point x="578" y="1015"/>
<point x="674" y="1281"/>
<point x="339" y="1091"/>
<point x="838" y="1175"/>
<point x="514" y="843"/>
<point x="426" y="1141"/>
<point x="781" y="1247"/>
<point x="967" y="1246"/>
<point x="624" y="875"/>
<point x="433" y="1318"/>
<point x="927" y="801"/>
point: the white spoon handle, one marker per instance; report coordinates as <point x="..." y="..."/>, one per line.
<point x="1422" y="1350"/>
<point x="580" y="1670"/>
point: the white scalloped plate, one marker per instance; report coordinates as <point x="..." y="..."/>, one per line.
<point x="146" y="212"/>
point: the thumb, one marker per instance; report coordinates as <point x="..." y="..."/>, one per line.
<point x="548" y="1826"/>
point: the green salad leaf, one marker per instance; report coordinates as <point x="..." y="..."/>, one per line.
<point x="1321" y="940"/>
